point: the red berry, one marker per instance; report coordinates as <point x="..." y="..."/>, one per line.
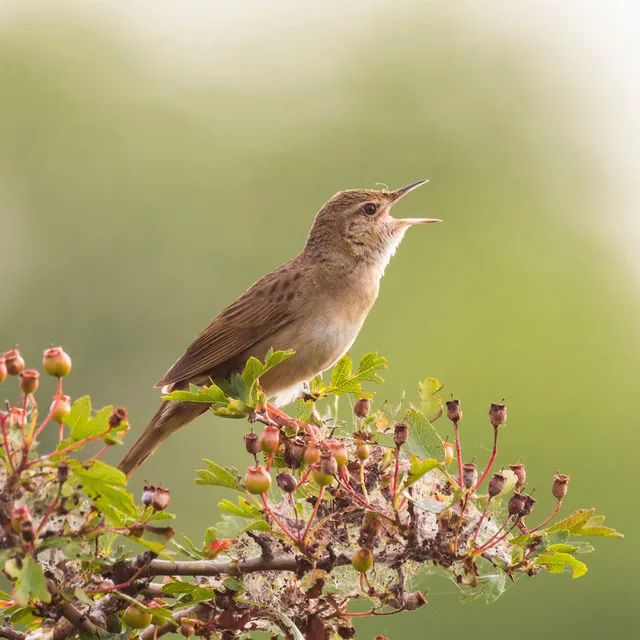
<point x="362" y="560"/>
<point x="160" y="499"/>
<point x="56" y="362"/>
<point x="257" y="480"/>
<point x="136" y="618"/>
<point x="29" y="381"/>
<point x="60" y="407"/>
<point x="270" y="439"/>
<point x="362" y="407"/>
<point x="14" y="362"/>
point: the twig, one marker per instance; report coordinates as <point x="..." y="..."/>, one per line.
<point x="494" y="453"/>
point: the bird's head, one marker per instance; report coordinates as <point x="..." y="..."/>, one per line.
<point x="358" y="222"/>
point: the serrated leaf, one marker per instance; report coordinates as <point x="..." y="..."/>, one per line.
<point x="561" y="548"/>
<point x="303" y="409"/>
<point x="556" y="563"/>
<point x="31" y="583"/>
<point x="423" y="438"/>
<point x="210" y="395"/>
<point x="218" y="476"/>
<point x="370" y="363"/>
<point x="253" y="369"/>
<point x="419" y="468"/>
<point x="243" y="509"/>
<point x="584" y="522"/>
<point x="195" y="592"/>
<point x="156" y="547"/>
<point x="230" y="527"/>
<point x="430" y="403"/>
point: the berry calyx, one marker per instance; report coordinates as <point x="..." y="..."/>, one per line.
<point x="14" y="362"/>
<point x="29" y="381"/>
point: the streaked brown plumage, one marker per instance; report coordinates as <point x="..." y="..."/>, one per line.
<point x="315" y="304"/>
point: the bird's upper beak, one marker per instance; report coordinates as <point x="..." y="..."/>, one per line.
<point x="400" y="193"/>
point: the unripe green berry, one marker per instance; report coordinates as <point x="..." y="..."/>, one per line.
<point x="56" y="362"/>
<point x="362" y="451"/>
<point x="29" y="381"/>
<point x="60" y="407"/>
<point x="257" y="480"/>
<point x="362" y="560"/>
<point x="136" y="618"/>
<point x="339" y="453"/>
<point x="14" y="362"/>
<point x="320" y="477"/>
<point x="270" y="439"/>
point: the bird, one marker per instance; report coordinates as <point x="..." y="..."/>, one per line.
<point x="314" y="304"/>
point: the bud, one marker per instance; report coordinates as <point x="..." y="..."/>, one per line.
<point x="454" y="412"/>
<point x="3" y="370"/>
<point x="362" y="451"/>
<point x="29" y="381"/>
<point x="362" y="560"/>
<point x="257" y="480"/>
<point x="160" y="499"/>
<point x="294" y="452"/>
<point x="56" y="362"/>
<point x="448" y="452"/>
<point x="117" y="417"/>
<point x="469" y="475"/>
<point x="311" y="454"/>
<point x="346" y="633"/>
<point x="320" y="477"/>
<point x="339" y="453"/>
<point x="63" y="471"/>
<point x="270" y="439"/>
<point x="414" y="601"/>
<point x="560" y="486"/>
<point x="497" y="414"/>
<point x="286" y="482"/>
<point x="328" y="464"/>
<point x="147" y="495"/>
<point x="362" y="407"/>
<point x="517" y="504"/>
<point x="521" y="473"/>
<point x="529" y="503"/>
<point x="496" y="485"/>
<point x="60" y="407"/>
<point x="14" y="362"/>
<point x="252" y="443"/>
<point x="400" y="434"/>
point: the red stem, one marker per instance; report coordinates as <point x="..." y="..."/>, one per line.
<point x="458" y="451"/>
<point x="313" y="514"/>
<point x="4" y="419"/>
<point x="72" y="447"/>
<point x="49" y="512"/>
<point x="395" y="475"/>
<point x="484" y="513"/>
<point x="275" y="517"/>
<point x="269" y="461"/>
<point x="22" y="421"/>
<point x="366" y="505"/>
<point x="97" y="455"/>
<point x="549" y="519"/>
<point x="304" y="477"/>
<point x="494" y="453"/>
<point x="493" y="542"/>
<point x="45" y="422"/>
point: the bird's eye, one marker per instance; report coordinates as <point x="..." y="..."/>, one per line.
<point x="369" y="209"/>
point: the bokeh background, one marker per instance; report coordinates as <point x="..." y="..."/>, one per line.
<point x="158" y="157"/>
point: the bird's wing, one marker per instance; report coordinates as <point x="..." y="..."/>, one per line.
<point x="270" y="304"/>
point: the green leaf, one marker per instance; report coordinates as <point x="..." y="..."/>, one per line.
<point x="252" y="371"/>
<point x="230" y="527"/>
<point x="274" y="358"/>
<point x="243" y="509"/>
<point x="423" y="438"/>
<point x="557" y="561"/>
<point x="211" y="395"/>
<point x="369" y="366"/>
<point x="430" y="403"/>
<point x="419" y="468"/>
<point x="584" y="522"/>
<point x="31" y="583"/>
<point x="303" y="409"/>
<point x="105" y="484"/>
<point x="217" y="476"/>
<point x="195" y="593"/>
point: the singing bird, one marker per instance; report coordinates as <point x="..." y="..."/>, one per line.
<point x="314" y="304"/>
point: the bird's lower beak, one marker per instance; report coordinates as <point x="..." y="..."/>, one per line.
<point x="399" y="193"/>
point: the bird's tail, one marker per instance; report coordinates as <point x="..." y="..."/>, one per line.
<point x="170" y="417"/>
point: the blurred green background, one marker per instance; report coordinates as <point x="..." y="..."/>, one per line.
<point x="155" y="160"/>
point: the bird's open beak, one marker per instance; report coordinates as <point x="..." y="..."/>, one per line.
<point x="400" y="193"/>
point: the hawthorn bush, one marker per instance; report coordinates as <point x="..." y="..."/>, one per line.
<point x="326" y="514"/>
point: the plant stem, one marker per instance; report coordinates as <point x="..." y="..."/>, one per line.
<point x="362" y="484"/>
<point x="456" y="434"/>
<point x="494" y="453"/>
<point x="276" y="519"/>
<point x="313" y="515"/>
<point x="549" y="519"/>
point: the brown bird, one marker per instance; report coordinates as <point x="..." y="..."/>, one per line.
<point x="314" y="304"/>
